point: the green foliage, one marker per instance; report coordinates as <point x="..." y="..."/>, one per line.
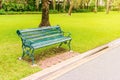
<point x="89" y="9"/>
<point x="19" y="6"/>
<point x="114" y="8"/>
<point x="101" y="8"/>
<point x="2" y="11"/>
<point x="13" y="7"/>
<point x="31" y="5"/>
<point x="53" y="11"/>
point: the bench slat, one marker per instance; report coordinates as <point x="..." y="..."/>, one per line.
<point x="50" y="42"/>
<point x="39" y="31"/>
<point x="27" y="36"/>
<point x="44" y="38"/>
<point x="36" y="29"/>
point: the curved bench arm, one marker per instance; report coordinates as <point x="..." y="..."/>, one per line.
<point x="27" y="42"/>
<point x="67" y="34"/>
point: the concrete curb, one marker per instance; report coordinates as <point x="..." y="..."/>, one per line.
<point x="42" y="74"/>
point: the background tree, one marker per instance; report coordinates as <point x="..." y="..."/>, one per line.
<point x="116" y="4"/>
<point x="96" y="6"/>
<point x="54" y="4"/>
<point x="71" y="7"/>
<point x="37" y="4"/>
<point x="45" y="13"/>
<point x="108" y="6"/>
<point x="0" y="4"/>
<point x="77" y="5"/>
<point x="64" y="5"/>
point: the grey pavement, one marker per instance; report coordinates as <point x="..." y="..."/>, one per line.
<point x="104" y="67"/>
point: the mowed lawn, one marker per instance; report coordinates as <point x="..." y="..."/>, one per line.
<point x="89" y="30"/>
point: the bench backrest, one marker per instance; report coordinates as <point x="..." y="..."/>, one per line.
<point x="40" y="34"/>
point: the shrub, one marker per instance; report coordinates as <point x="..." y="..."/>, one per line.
<point x="53" y="11"/>
<point x="2" y="11"/>
<point x="19" y="6"/>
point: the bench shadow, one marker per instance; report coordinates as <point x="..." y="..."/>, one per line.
<point x="45" y="53"/>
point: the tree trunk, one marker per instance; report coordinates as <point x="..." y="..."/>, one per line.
<point x="45" y="14"/>
<point x="71" y="7"/>
<point x="118" y="7"/>
<point x="0" y="4"/>
<point x="54" y="4"/>
<point x="64" y="5"/>
<point x="96" y="6"/>
<point x="58" y="5"/>
<point x="108" y="7"/>
<point x="37" y="5"/>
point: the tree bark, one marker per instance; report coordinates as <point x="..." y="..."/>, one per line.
<point x="108" y="7"/>
<point x="0" y="4"/>
<point x="118" y="7"/>
<point x="54" y="4"/>
<point x="96" y="6"/>
<point x="37" y="5"/>
<point x="64" y="5"/>
<point x="58" y="5"/>
<point x="71" y="7"/>
<point x="45" y="14"/>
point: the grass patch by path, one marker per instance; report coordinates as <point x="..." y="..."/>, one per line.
<point x="88" y="30"/>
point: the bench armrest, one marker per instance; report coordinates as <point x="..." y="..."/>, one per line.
<point x="27" y="42"/>
<point x="67" y="34"/>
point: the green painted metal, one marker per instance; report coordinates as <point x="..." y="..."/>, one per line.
<point x="33" y="39"/>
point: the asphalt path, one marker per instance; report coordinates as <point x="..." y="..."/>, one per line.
<point x="104" y="67"/>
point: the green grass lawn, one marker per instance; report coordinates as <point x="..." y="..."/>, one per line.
<point x="89" y="30"/>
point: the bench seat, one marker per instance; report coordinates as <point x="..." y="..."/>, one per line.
<point x="50" y="42"/>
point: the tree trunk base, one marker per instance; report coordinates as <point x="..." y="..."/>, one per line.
<point x="44" y="24"/>
<point x="45" y="14"/>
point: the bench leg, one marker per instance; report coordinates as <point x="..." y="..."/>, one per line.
<point x="26" y="50"/>
<point x="23" y="54"/>
<point x="29" y="51"/>
<point x="69" y="45"/>
<point x="60" y="44"/>
<point x="20" y="58"/>
<point x="33" y="59"/>
<point x="31" y="54"/>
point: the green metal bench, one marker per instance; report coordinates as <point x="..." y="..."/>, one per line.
<point x="40" y="37"/>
